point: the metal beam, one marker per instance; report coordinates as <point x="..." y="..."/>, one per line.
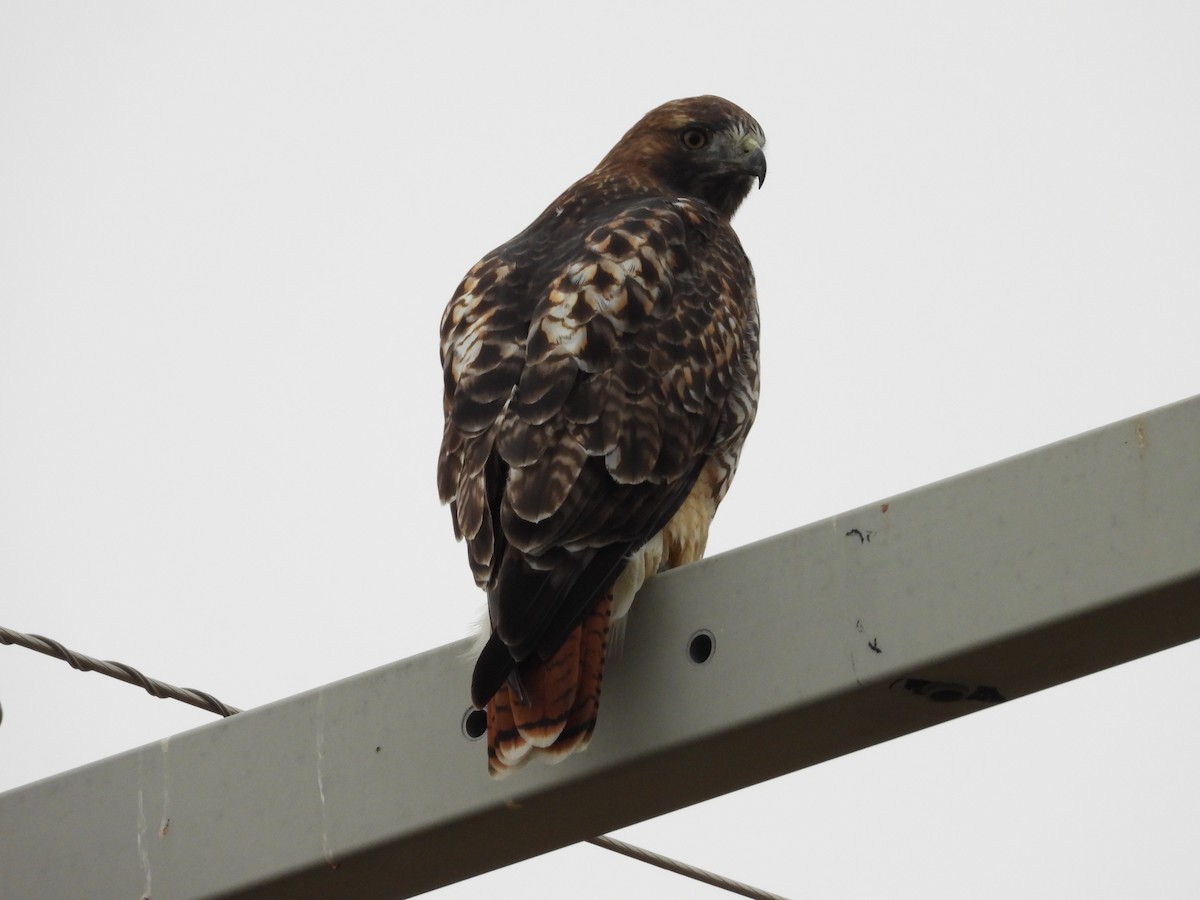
<point x="826" y="639"/>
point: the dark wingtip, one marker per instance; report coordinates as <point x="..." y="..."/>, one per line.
<point x="492" y="668"/>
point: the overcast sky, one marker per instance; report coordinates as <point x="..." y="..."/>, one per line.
<point x="228" y="230"/>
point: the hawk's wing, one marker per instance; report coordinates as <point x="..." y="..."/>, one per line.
<point x="589" y="365"/>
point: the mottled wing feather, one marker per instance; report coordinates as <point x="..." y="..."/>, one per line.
<point x="586" y="375"/>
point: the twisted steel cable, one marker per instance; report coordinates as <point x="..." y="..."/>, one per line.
<point x="680" y="868"/>
<point x="117" y="670"/>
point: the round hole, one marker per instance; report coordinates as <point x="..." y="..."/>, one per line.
<point x="474" y="723"/>
<point x="701" y="646"/>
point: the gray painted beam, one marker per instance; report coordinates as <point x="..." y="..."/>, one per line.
<point x="829" y="638"/>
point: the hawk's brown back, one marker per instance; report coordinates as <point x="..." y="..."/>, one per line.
<point x="594" y="366"/>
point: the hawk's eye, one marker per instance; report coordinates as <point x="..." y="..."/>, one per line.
<point x="694" y="138"/>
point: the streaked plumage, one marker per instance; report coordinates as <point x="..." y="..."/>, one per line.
<point x="601" y="374"/>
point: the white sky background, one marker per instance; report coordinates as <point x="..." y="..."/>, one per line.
<point x="228" y="230"/>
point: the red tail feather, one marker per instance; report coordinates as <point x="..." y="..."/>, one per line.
<point x="564" y="698"/>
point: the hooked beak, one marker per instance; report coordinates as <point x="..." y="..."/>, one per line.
<point x="754" y="160"/>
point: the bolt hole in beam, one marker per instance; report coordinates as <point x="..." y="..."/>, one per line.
<point x="474" y="723"/>
<point x="701" y="646"/>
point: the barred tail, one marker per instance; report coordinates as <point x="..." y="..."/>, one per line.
<point x="563" y="698"/>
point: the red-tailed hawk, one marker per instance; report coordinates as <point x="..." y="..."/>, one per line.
<point x="601" y="374"/>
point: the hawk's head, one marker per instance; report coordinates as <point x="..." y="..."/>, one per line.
<point x="703" y="147"/>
